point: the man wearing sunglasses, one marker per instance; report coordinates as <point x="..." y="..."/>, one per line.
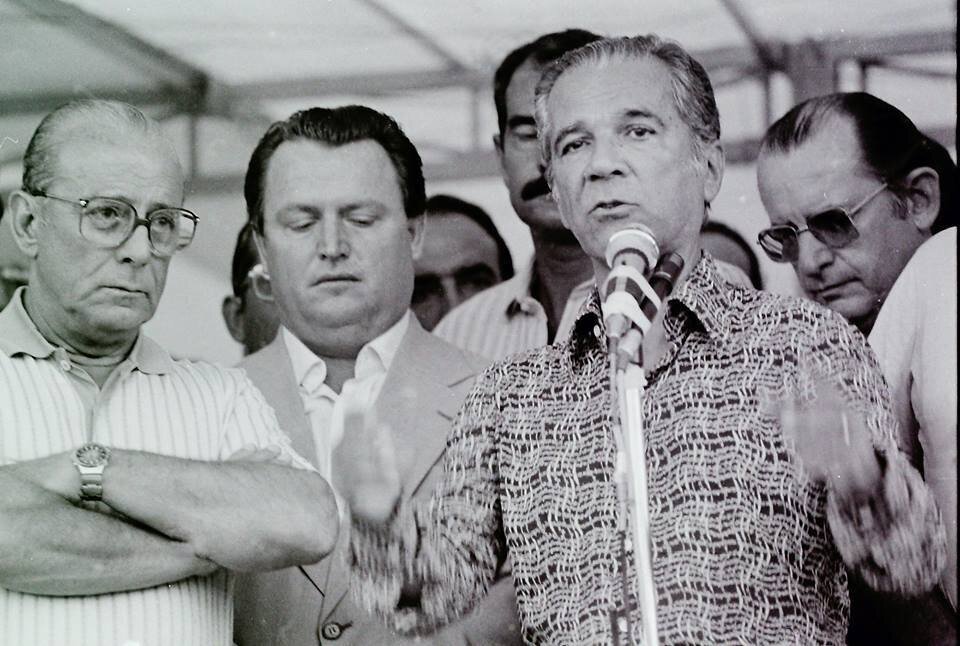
<point x="133" y="484"/>
<point x="249" y="313"/>
<point x="853" y="189"/>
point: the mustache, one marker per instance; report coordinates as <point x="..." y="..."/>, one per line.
<point x="534" y="189"/>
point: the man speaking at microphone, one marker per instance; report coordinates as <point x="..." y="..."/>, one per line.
<point x="770" y="458"/>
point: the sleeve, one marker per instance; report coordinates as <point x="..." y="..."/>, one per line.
<point x="915" y="338"/>
<point x="251" y="423"/>
<point x="896" y="540"/>
<point x="447" y="550"/>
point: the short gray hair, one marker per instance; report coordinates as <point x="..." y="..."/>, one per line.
<point x="692" y="91"/>
<point x="91" y="119"/>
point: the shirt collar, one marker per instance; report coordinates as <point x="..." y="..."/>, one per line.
<point x="520" y="290"/>
<point x="704" y="294"/>
<point x="374" y="358"/>
<point x="19" y="335"/>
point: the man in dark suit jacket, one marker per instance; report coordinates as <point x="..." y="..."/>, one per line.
<point x="336" y="197"/>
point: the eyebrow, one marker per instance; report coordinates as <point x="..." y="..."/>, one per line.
<point x="642" y="114"/>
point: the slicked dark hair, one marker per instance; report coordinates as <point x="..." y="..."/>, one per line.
<point x="336" y="127"/>
<point x="891" y="146"/>
<point x="440" y="204"/>
<point x="542" y="51"/>
<point x="245" y="256"/>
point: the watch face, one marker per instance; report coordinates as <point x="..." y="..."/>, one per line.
<point x="92" y="455"/>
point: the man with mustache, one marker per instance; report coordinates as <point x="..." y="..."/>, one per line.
<point x="768" y="433"/>
<point x="336" y="200"/>
<point x="540" y="303"/>
<point x="134" y="485"/>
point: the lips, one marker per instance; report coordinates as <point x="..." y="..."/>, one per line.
<point x="610" y="207"/>
<point x="834" y="291"/>
<point x="125" y="288"/>
<point x="336" y="278"/>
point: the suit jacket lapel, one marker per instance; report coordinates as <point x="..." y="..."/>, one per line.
<point x="271" y="371"/>
<point x="421" y="394"/>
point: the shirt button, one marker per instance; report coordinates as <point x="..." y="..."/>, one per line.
<point x="65" y="365"/>
<point x="622" y="625"/>
<point x="331" y="630"/>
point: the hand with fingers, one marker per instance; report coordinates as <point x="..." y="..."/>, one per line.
<point x="833" y="442"/>
<point x="371" y="486"/>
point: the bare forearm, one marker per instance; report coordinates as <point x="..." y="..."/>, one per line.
<point x="50" y="547"/>
<point x="245" y="516"/>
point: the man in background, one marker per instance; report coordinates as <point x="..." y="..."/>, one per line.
<point x="539" y="303"/>
<point x="249" y="313"/>
<point x="462" y="255"/>
<point x="726" y="245"/>
<point x="336" y="198"/>
<point x="134" y="485"/>
<point x="853" y="189"/>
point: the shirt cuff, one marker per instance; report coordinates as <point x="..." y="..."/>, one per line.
<point x="895" y="540"/>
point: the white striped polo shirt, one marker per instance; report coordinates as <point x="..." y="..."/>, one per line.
<point x="177" y="408"/>
<point x="506" y="319"/>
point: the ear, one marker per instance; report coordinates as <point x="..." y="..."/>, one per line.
<point x="713" y="164"/>
<point x="498" y="146"/>
<point x="417" y="227"/>
<point x="24" y="222"/>
<point x="922" y="197"/>
<point x="232" y="310"/>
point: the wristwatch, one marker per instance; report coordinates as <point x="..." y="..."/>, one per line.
<point x="91" y="459"/>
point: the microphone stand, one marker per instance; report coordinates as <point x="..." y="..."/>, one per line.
<point x="631" y="480"/>
<point x="628" y="378"/>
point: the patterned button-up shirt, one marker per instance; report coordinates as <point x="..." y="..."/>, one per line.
<point x="746" y="549"/>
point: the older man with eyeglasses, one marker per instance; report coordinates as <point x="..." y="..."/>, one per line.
<point x="134" y="485"/>
<point x="870" y="189"/>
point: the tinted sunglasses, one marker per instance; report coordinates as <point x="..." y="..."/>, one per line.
<point x="833" y="227"/>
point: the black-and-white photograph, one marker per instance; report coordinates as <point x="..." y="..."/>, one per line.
<point x="478" y="322"/>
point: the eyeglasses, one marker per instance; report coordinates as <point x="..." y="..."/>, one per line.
<point x="109" y="222"/>
<point x="259" y="280"/>
<point x="833" y="227"/>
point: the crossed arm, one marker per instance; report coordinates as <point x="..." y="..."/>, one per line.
<point x="165" y="519"/>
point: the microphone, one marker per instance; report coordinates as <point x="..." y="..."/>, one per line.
<point x="630" y="253"/>
<point x="629" y="349"/>
<point x="631" y="301"/>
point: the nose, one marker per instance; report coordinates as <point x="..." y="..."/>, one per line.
<point x="606" y="159"/>
<point x="812" y="255"/>
<point x="136" y="249"/>
<point x="333" y="246"/>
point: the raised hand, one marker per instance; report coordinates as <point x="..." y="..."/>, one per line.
<point x="832" y="441"/>
<point x="371" y="486"/>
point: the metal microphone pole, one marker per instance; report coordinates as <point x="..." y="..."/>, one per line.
<point x="631" y="382"/>
<point x="628" y="376"/>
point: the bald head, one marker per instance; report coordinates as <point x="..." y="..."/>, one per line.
<point x="92" y="120"/>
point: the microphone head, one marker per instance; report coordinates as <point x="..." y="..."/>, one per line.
<point x="636" y="239"/>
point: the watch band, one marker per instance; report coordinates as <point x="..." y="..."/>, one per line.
<point x="91" y="459"/>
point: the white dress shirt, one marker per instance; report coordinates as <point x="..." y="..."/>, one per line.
<point x="324" y="407"/>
